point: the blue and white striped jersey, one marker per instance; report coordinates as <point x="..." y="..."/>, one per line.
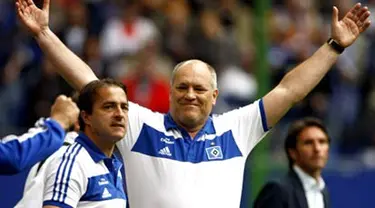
<point x="82" y="176"/>
<point x="34" y="185"/>
<point x="18" y="153"/>
<point x="165" y="168"/>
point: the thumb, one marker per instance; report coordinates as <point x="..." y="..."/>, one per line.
<point x="46" y="4"/>
<point x="335" y="15"/>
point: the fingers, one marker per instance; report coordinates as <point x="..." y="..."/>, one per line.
<point x="365" y="26"/>
<point x="29" y="2"/>
<point x="364" y="16"/>
<point x="46" y="5"/>
<point x="352" y="14"/>
<point x="335" y="15"/>
<point x="24" y="4"/>
<point x="61" y="97"/>
<point x="363" y="21"/>
<point x="20" y="8"/>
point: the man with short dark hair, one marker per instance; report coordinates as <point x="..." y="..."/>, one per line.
<point x="307" y="147"/>
<point x="86" y="173"/>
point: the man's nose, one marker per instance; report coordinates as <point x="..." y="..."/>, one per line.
<point x="190" y="94"/>
<point x="119" y="112"/>
<point x="317" y="146"/>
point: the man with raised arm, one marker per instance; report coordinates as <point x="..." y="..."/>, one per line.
<point x="189" y="158"/>
<point x="18" y="153"/>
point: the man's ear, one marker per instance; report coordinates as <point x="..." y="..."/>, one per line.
<point x="215" y="94"/>
<point x="293" y="154"/>
<point x="86" y="118"/>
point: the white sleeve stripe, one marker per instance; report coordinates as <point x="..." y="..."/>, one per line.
<point x="31" y="133"/>
<point x="68" y="157"/>
<point x="58" y="173"/>
<point x="66" y="184"/>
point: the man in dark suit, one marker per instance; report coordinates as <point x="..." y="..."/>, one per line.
<point x="306" y="146"/>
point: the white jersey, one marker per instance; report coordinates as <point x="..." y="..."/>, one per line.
<point x="82" y="176"/>
<point x="165" y="168"/>
<point x="32" y="193"/>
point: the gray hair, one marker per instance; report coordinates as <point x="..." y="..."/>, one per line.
<point x="192" y="61"/>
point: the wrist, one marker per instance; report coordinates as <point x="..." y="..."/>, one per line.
<point x="335" y="45"/>
<point x="42" y="34"/>
<point x="62" y="120"/>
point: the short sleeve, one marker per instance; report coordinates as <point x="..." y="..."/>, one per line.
<point x="65" y="182"/>
<point x="248" y="125"/>
<point x="137" y="116"/>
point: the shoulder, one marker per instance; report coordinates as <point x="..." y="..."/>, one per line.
<point x="281" y="186"/>
<point x="68" y="155"/>
<point x="277" y="186"/>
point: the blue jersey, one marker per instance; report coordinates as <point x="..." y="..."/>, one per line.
<point x="18" y="153"/>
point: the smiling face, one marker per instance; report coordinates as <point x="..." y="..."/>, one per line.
<point x="193" y="95"/>
<point x="109" y="118"/>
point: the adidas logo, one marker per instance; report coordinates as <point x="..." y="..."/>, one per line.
<point x="103" y="181"/>
<point x="106" y="193"/>
<point x="165" y="151"/>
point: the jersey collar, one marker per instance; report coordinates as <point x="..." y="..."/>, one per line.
<point x="95" y="153"/>
<point x="208" y="127"/>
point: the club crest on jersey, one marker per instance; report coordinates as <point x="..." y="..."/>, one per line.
<point x="214" y="153"/>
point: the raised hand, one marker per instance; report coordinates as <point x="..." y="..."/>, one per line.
<point x="347" y="30"/>
<point x="33" y="18"/>
<point x="64" y="111"/>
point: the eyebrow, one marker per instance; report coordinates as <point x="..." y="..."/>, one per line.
<point x="114" y="102"/>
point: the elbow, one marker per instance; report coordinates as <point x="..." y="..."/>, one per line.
<point x="12" y="168"/>
<point x="293" y="94"/>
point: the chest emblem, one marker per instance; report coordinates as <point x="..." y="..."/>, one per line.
<point x="214" y="153"/>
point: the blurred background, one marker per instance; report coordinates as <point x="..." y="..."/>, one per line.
<point x="251" y="44"/>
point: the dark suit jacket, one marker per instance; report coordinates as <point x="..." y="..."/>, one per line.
<point x="286" y="193"/>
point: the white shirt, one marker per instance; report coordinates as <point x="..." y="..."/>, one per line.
<point x="32" y="193"/>
<point x="313" y="188"/>
<point x="82" y="176"/>
<point x="165" y="168"/>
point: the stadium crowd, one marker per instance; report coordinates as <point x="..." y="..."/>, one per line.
<point x="139" y="42"/>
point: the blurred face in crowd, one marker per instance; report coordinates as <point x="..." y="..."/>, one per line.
<point x="193" y="94"/>
<point x="109" y="118"/>
<point x="311" y="153"/>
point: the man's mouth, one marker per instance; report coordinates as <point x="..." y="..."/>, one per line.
<point x="118" y="125"/>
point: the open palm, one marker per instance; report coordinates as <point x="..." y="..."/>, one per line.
<point x="347" y="30"/>
<point x="33" y="18"/>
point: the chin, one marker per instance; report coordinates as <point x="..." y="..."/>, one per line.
<point x="117" y="137"/>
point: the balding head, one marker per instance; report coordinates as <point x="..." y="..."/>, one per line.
<point x="197" y="64"/>
<point x="193" y="94"/>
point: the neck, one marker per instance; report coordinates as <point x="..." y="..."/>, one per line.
<point x="192" y="131"/>
<point x="316" y="174"/>
<point x="106" y="147"/>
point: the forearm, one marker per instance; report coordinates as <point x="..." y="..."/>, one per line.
<point x="298" y="83"/>
<point x="76" y="72"/>
<point x="302" y="79"/>
<point x="37" y="144"/>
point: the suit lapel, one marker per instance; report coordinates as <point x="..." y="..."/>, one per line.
<point x="299" y="192"/>
<point x="326" y="198"/>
